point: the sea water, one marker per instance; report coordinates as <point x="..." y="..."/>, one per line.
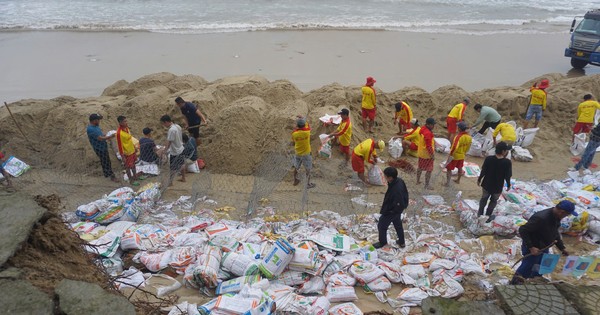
<point x="212" y="16"/>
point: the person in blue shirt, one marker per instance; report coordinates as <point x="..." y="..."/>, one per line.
<point x="190" y="154"/>
<point x="148" y="147"/>
<point x="98" y="142"/>
<point x="193" y="118"/>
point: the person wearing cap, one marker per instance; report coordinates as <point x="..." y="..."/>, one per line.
<point x="410" y="143"/>
<point x="303" y="156"/>
<point x="368" y="104"/>
<point x="363" y="153"/>
<point x="455" y="116"/>
<point x="173" y="147"/>
<point x="460" y="146"/>
<point x="148" y="147"/>
<point x="425" y="152"/>
<point x="586" y="112"/>
<point x="394" y="203"/>
<point x="193" y="118"/>
<point x="98" y="141"/>
<point x="488" y="116"/>
<point x="402" y="116"/>
<point x="537" y="103"/>
<point x="590" y="151"/>
<point x="539" y="234"/>
<point x="495" y="171"/>
<point x="344" y="133"/>
<point x="508" y="133"/>
<point x="127" y="150"/>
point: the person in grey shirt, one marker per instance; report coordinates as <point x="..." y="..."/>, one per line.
<point x="174" y="146"/>
<point x="488" y="116"/>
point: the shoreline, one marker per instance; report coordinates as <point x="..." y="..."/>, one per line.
<point x="51" y="63"/>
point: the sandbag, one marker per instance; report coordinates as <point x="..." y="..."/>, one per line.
<point x="156" y="262"/>
<point x="193" y="168"/>
<point x="376" y="176"/>
<point x="365" y="272"/>
<point x="315" y="285"/>
<point x="528" y="136"/>
<point x="277" y="258"/>
<point x="325" y="148"/>
<point x="578" y="145"/>
<point x="106" y="246"/>
<point x="207" y="267"/>
<point x="345" y="309"/>
<point x="442" y="145"/>
<point x="239" y="265"/>
<point x="395" y="147"/>
<point x="521" y="155"/>
<point x="340" y="294"/>
<point x="341" y="278"/>
<point x="235" y="285"/>
<point x="379" y="284"/>
<point x="306" y="259"/>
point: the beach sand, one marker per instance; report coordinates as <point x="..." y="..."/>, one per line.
<point x="47" y="64"/>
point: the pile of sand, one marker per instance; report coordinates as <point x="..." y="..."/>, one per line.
<point x="249" y="116"/>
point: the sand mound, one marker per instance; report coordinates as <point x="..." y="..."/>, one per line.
<point x="248" y="115"/>
<point x="53" y="253"/>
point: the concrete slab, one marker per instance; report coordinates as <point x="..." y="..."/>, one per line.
<point x="586" y="299"/>
<point x="18" y="214"/>
<point x="529" y="299"/>
<point x="20" y="297"/>
<point x="442" y="306"/>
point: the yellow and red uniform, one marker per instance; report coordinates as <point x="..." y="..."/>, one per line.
<point x="586" y="111"/>
<point x="455" y="115"/>
<point x="126" y="147"/>
<point x="345" y="135"/>
<point x="425" y="150"/>
<point x="538" y="97"/>
<point x="363" y="153"/>
<point x="405" y="115"/>
<point x="460" y="147"/>
<point x="413" y="137"/>
<point x="509" y="135"/>
<point x="368" y="102"/>
<point x="301" y="138"/>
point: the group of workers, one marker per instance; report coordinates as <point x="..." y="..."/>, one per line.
<point x="179" y="149"/>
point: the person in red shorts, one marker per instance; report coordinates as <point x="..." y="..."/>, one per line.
<point x="368" y="104"/>
<point x="586" y="112"/>
<point x="426" y="152"/>
<point x="455" y="116"/>
<point x="410" y="141"/>
<point x="402" y="116"/>
<point x="365" y="153"/>
<point x="127" y="150"/>
<point x="344" y="134"/>
<point x="458" y="150"/>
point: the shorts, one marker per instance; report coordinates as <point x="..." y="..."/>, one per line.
<point x="345" y="149"/>
<point x="534" y="110"/>
<point x="406" y="124"/>
<point x="176" y="162"/>
<point x="305" y="160"/>
<point x="368" y="113"/>
<point x="455" y="164"/>
<point x="451" y="123"/>
<point x="583" y="127"/>
<point x="194" y="132"/>
<point x="413" y="146"/>
<point x="129" y="161"/>
<point x="426" y="164"/>
<point x="358" y="163"/>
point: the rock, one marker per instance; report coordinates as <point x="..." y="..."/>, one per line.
<point x="443" y="306"/>
<point x="11" y="273"/>
<point x="18" y="214"/>
<point x="77" y="297"/>
<point x="20" y="297"/>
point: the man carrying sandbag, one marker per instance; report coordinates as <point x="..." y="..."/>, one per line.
<point x="394" y="203"/>
<point x="488" y="116"/>
<point x="539" y="234"/>
<point x="365" y="152"/>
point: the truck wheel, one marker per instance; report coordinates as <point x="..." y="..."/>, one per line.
<point x="578" y="63"/>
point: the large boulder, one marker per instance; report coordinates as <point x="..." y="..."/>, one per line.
<point x="78" y="297"/>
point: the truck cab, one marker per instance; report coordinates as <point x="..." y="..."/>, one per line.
<point x="584" y="47"/>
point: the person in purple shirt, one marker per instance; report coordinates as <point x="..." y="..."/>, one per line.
<point x="193" y="118"/>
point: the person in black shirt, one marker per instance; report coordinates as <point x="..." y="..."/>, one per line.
<point x="193" y="118"/>
<point x="394" y="202"/>
<point x="539" y="234"/>
<point x="495" y="171"/>
<point x="148" y="147"/>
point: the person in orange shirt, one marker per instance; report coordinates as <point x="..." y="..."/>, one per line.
<point x="460" y="147"/>
<point x="586" y="112"/>
<point x="455" y="116"/>
<point x="301" y="141"/>
<point x="344" y="134"/>
<point x="537" y="103"/>
<point x="127" y="150"/>
<point x="426" y="152"/>
<point x="363" y="153"/>
<point x="411" y="139"/>
<point x="368" y="104"/>
<point x="402" y="116"/>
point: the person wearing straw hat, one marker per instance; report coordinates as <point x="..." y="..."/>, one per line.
<point x="539" y="234"/>
<point x="537" y="103"/>
<point x="363" y="153"/>
<point x="368" y="104"/>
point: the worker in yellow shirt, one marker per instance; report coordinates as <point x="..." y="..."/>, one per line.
<point x="426" y="152"/>
<point x="508" y="133"/>
<point x="537" y="103"/>
<point x="344" y="134"/>
<point x="586" y="112"/>
<point x="410" y="143"/>
<point x="365" y="153"/>
<point x="368" y="104"/>
<point x="455" y="116"/>
<point x="301" y="139"/>
<point x="402" y="116"/>
<point x="127" y="150"/>
<point x="460" y="146"/>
